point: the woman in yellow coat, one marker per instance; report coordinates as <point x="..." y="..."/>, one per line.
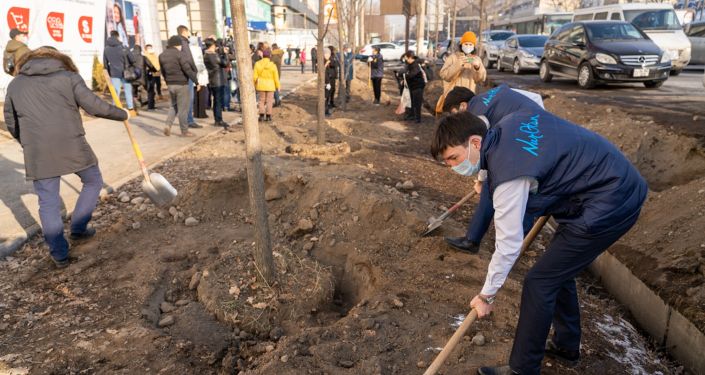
<point x="266" y="83"/>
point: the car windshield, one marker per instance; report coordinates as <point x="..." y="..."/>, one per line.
<point x="653" y="19"/>
<point x="532" y="41"/>
<point x="605" y="31"/>
<point x="500" y="36"/>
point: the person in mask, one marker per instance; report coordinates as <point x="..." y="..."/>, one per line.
<point x="463" y="68"/>
<point x="16" y="48"/>
<point x="536" y="162"/>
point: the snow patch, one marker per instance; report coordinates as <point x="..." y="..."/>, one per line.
<point x="630" y="349"/>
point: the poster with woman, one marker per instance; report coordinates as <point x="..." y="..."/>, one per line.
<point x="115" y="20"/>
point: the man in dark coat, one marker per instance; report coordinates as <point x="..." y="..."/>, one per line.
<point x="177" y="72"/>
<point x="116" y="59"/>
<point x="314" y="60"/>
<point x="188" y="58"/>
<point x="416" y="81"/>
<point x="216" y="62"/>
<point x="53" y="140"/>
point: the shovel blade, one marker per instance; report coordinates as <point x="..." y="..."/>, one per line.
<point x="433" y="224"/>
<point x="159" y="190"/>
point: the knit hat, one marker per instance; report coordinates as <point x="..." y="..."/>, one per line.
<point x="469" y="37"/>
<point x="174" y="41"/>
<point x="267" y="53"/>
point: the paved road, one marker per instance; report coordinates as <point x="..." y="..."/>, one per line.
<point x="18" y="204"/>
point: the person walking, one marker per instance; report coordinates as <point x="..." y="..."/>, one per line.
<point x="116" y="59"/>
<point x="53" y="140"/>
<point x="15" y="49"/>
<point x="266" y="80"/>
<point x="216" y="62"/>
<point x="144" y="67"/>
<point x="177" y="71"/>
<point x="416" y="82"/>
<point x="153" y="76"/>
<point x="303" y="60"/>
<point x="314" y="59"/>
<point x="183" y="34"/>
<point x="376" y="62"/>
<point x="332" y="66"/>
<point x="277" y="56"/>
<point x="463" y="68"/>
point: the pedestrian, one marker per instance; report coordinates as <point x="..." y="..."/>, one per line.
<point x="229" y="75"/>
<point x="266" y="80"/>
<point x="416" y="82"/>
<point x="201" y="95"/>
<point x="184" y="34"/>
<point x="538" y="163"/>
<point x="141" y="64"/>
<point x="177" y="71"/>
<point x="117" y="60"/>
<point x="462" y="68"/>
<point x="277" y="56"/>
<point x="53" y="140"/>
<point x="288" y="54"/>
<point x="303" y="60"/>
<point x="216" y="62"/>
<point x="153" y="76"/>
<point x="314" y="59"/>
<point x="15" y="49"/>
<point x="297" y="52"/>
<point x="376" y="62"/>
<point x="349" y="72"/>
<point x="332" y="66"/>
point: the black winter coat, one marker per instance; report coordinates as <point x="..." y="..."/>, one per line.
<point x="332" y="70"/>
<point x="186" y="53"/>
<point x="41" y="112"/>
<point x="414" y="75"/>
<point x="114" y="57"/>
<point x="176" y="69"/>
<point x="215" y="64"/>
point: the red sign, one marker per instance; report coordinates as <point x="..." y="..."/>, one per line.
<point x="85" y="28"/>
<point x="55" y="25"/>
<point x="18" y="18"/>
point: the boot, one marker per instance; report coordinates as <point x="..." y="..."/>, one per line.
<point x="499" y="370"/>
<point x="268" y="118"/>
<point x="261" y="117"/>
<point x="566" y="357"/>
<point x="463" y="244"/>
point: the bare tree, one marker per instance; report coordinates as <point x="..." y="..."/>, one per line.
<point x="342" y="93"/>
<point x="420" y="24"/>
<point x="321" y="107"/>
<point x="438" y="12"/>
<point x="253" y="149"/>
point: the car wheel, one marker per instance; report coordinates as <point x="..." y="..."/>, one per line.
<point x="516" y="68"/>
<point x="676" y="72"/>
<point x="500" y="68"/>
<point x="486" y="61"/>
<point x="586" y="79"/>
<point x="545" y="72"/>
<point x="653" y="84"/>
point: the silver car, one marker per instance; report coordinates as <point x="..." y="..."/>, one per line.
<point x="696" y="34"/>
<point x="491" y="42"/>
<point x="521" y="52"/>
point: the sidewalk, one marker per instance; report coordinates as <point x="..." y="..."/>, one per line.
<point x="19" y="216"/>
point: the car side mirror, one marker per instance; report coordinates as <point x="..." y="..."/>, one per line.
<point x="579" y="44"/>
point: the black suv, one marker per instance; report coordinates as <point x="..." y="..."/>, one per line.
<point x="604" y="51"/>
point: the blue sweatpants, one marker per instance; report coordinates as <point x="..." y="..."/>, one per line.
<point x="484" y="212"/>
<point x="549" y="295"/>
<point x="50" y="209"/>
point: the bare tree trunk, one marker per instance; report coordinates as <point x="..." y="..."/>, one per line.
<point x="453" y="22"/>
<point x="438" y="12"/>
<point x="479" y="46"/>
<point x="255" y="173"/>
<point x="321" y="108"/>
<point x="363" y="35"/>
<point x="420" y="24"/>
<point x="343" y="68"/>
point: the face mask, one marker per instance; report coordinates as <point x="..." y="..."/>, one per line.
<point x="468" y="48"/>
<point x="466" y="168"/>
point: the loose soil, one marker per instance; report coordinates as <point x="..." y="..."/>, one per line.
<point x="357" y="291"/>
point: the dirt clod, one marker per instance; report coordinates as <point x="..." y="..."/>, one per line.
<point x="167" y="321"/>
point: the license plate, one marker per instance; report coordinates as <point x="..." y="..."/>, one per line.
<point x="641" y="72"/>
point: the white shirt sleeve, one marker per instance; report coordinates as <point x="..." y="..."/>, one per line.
<point x="509" y="201"/>
<point x="531" y="95"/>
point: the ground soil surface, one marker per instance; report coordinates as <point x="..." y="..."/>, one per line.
<point x="357" y="290"/>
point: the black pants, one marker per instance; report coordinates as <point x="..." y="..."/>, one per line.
<point x="331" y="98"/>
<point x="218" y="94"/>
<point x="152" y="84"/>
<point x="314" y="66"/>
<point x="377" y="88"/>
<point x="549" y="295"/>
<point x="416" y="103"/>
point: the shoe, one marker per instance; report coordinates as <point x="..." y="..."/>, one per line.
<point x="194" y="125"/>
<point x="327" y="113"/>
<point x="463" y="244"/>
<point x="332" y="105"/>
<point x="88" y="233"/>
<point x="261" y="117"/>
<point x="408" y="117"/>
<point x="268" y="118"/>
<point x="566" y="357"/>
<point x="132" y="112"/>
<point x="228" y="129"/>
<point x="187" y="134"/>
<point x="167" y="131"/>
<point x="499" y="370"/>
<point x="61" y="263"/>
<point x="223" y="124"/>
<point x="376" y="102"/>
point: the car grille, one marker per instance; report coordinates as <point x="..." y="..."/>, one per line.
<point x="639" y="59"/>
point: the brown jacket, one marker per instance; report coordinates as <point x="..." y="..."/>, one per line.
<point x="453" y="67"/>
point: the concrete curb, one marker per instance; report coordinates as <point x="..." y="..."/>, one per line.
<point x="664" y="323"/>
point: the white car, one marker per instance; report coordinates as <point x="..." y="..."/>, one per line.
<point x="424" y="49"/>
<point x="389" y="51"/>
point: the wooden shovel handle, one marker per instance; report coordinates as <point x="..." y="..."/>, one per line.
<point x="460" y="332"/>
<point x="457" y="205"/>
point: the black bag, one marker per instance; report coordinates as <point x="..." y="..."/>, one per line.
<point x="131" y="73"/>
<point x="8" y="62"/>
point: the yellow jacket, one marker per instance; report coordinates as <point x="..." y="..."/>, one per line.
<point x="453" y="70"/>
<point x="266" y="75"/>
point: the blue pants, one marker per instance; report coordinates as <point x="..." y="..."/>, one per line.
<point x="226" y="96"/>
<point x="217" y="106"/>
<point x="50" y="209"/>
<point x="277" y="99"/>
<point x="191" y="98"/>
<point x="549" y="294"/>
<point x="484" y="212"/>
<point x="118" y="84"/>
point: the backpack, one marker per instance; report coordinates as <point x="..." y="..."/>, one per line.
<point x="131" y="73"/>
<point x="8" y="62"/>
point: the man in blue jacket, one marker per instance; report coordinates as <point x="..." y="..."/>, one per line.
<point x="539" y="163"/>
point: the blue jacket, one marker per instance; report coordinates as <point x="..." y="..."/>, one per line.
<point x="348" y="66"/>
<point x="499" y="102"/>
<point x="376" y="66"/>
<point x="583" y="180"/>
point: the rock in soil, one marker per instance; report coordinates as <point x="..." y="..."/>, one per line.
<point x="478" y="339"/>
<point x="191" y="221"/>
<point x="167" y="321"/>
<point x="166" y="307"/>
<point x="195" y="279"/>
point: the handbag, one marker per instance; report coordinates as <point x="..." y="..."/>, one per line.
<point x="405" y="101"/>
<point x="442" y="99"/>
<point x="131" y="73"/>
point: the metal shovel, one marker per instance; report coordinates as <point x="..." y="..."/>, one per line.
<point x="155" y="186"/>
<point x="434" y="223"/>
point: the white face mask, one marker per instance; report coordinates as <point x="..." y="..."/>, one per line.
<point x="468" y="48"/>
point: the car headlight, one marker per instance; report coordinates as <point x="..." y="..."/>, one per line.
<point x="673" y="54"/>
<point x="665" y="58"/>
<point x="528" y="55"/>
<point x="605" y="59"/>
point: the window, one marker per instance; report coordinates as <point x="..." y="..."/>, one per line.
<point x="512" y="43"/>
<point x="653" y="19"/>
<point x="500" y="36"/>
<point x="600" y="16"/>
<point x="613" y="31"/>
<point x="697" y="30"/>
<point x="532" y="41"/>
<point x="616" y="17"/>
<point x="576" y="35"/>
<point x="562" y="33"/>
<point x="582" y="17"/>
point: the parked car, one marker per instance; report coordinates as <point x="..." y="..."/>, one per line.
<point x="696" y="34"/>
<point x="604" y="51"/>
<point x="444" y="49"/>
<point x="521" y="52"/>
<point x="389" y="51"/>
<point x="658" y="21"/>
<point x="491" y="42"/>
<point x="424" y="49"/>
